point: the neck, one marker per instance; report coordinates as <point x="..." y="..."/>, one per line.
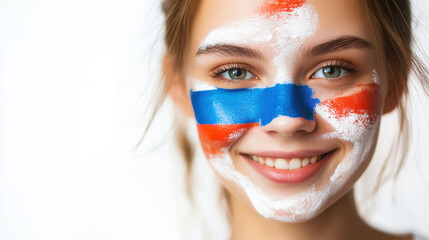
<point x="339" y="221"/>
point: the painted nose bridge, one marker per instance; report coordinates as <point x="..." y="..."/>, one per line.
<point x="294" y="101"/>
<point x="257" y="105"/>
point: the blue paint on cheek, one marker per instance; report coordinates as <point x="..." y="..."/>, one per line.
<point x="255" y="105"/>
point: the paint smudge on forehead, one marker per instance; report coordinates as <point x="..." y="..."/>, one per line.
<point x="274" y="7"/>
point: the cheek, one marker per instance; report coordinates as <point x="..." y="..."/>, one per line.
<point x="215" y="138"/>
<point x="364" y="107"/>
<point x="353" y="115"/>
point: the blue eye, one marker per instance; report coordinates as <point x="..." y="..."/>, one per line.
<point x="330" y="72"/>
<point x="237" y="74"/>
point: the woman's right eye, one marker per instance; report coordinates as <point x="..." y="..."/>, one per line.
<point x="237" y="74"/>
<point x="234" y="73"/>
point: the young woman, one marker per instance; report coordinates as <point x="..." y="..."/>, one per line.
<point x="287" y="96"/>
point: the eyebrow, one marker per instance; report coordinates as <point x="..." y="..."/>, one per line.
<point x="229" y="50"/>
<point x="339" y="44"/>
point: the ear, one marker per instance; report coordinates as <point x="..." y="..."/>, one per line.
<point x="397" y="87"/>
<point x="175" y="85"/>
<point x="390" y="102"/>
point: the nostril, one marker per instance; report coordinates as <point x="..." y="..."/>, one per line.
<point x="287" y="126"/>
<point x="301" y="132"/>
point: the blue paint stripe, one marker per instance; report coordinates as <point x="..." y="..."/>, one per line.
<point x="261" y="105"/>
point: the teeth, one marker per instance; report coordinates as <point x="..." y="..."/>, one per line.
<point x="281" y="164"/>
<point x="295" y="164"/>
<point x="305" y="162"/>
<point x="269" y="162"/>
<point x="290" y="164"/>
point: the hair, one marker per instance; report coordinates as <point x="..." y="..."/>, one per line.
<point x="391" y="23"/>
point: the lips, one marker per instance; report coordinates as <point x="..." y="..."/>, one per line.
<point x="288" y="168"/>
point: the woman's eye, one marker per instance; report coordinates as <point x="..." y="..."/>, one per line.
<point x="237" y="74"/>
<point x="330" y="72"/>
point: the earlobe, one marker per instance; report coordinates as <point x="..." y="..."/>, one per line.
<point x="175" y="85"/>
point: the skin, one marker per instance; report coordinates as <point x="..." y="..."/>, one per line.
<point x="338" y="217"/>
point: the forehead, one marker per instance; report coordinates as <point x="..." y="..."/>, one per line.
<point x="335" y="17"/>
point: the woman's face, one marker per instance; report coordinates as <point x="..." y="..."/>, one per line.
<point x="287" y="99"/>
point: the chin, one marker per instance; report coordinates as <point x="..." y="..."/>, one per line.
<point x="338" y="171"/>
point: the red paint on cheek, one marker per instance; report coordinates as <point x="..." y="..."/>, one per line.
<point x="273" y="7"/>
<point x="216" y="137"/>
<point x="367" y="101"/>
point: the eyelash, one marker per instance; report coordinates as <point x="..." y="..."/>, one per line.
<point x="215" y="73"/>
<point x="349" y="67"/>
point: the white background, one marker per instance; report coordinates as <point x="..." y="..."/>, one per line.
<point x="75" y="80"/>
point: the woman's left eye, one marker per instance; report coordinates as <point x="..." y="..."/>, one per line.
<point x="330" y="72"/>
<point x="237" y="74"/>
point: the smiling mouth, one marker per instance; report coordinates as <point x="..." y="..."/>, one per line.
<point x="292" y="168"/>
<point x="286" y="164"/>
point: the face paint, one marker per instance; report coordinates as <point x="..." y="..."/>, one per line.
<point x="224" y="113"/>
<point x="225" y="116"/>
<point x="216" y="138"/>
<point x="360" y="104"/>
<point x="294" y="22"/>
<point x="353" y="117"/>
<point x="282" y="24"/>
<point x="276" y="7"/>
<point x="256" y="105"/>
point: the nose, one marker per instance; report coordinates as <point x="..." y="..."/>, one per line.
<point x="289" y="126"/>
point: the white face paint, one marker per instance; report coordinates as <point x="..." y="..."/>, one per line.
<point x="198" y="85"/>
<point x="359" y="129"/>
<point x="285" y="32"/>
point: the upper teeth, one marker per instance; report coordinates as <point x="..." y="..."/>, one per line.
<point x="282" y="163"/>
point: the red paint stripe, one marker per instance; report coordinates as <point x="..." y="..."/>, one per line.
<point x="216" y="137"/>
<point x="366" y="101"/>
<point x="273" y="7"/>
